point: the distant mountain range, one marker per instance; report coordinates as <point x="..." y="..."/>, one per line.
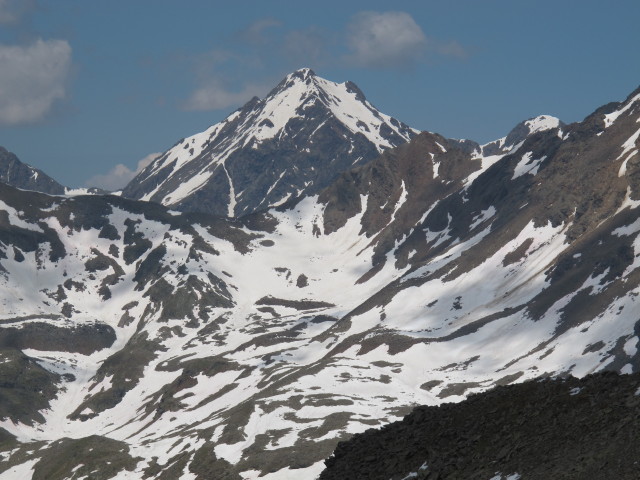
<point x="18" y="174"/>
<point x="14" y="172"/>
<point x="336" y="288"/>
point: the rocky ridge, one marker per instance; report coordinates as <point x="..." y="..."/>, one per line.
<point x="14" y="172"/>
<point x="20" y="175"/>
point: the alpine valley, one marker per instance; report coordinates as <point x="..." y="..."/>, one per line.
<point x="301" y="272"/>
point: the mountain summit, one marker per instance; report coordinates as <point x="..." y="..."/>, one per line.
<point x="293" y="142"/>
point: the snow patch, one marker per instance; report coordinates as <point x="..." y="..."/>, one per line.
<point x="610" y="118"/>
<point x="542" y="123"/>
<point x="527" y="165"/>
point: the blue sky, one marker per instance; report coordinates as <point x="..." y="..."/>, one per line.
<point x="88" y="88"/>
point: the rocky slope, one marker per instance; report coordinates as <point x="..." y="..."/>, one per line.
<point x="567" y="428"/>
<point x="193" y="346"/>
<point x="291" y="143"/>
<point x="21" y="175"/>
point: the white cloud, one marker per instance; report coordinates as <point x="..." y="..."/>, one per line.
<point x="382" y="40"/>
<point x="256" y="33"/>
<point x="214" y="94"/>
<point x="225" y="76"/>
<point x="452" y="49"/>
<point x="32" y="78"/>
<point x="220" y="76"/>
<point x="120" y="175"/>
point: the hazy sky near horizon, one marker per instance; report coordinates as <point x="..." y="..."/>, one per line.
<point x="90" y="89"/>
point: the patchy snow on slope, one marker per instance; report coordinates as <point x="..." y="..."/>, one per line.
<point x="14" y="217"/>
<point x="542" y="123"/>
<point x="23" y="470"/>
<point x="610" y="118"/>
<point x="628" y="202"/>
<point x="527" y="165"/>
<point x="482" y="216"/>
<point x="629" y="149"/>
<point x="500" y="476"/>
<point x="354" y="112"/>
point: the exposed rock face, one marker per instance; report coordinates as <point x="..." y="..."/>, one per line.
<point x="90" y="457"/>
<point x="579" y="429"/>
<point x="292" y="143"/>
<point x="25" y="387"/>
<point x="21" y="175"/>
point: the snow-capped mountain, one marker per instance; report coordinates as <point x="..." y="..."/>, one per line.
<point x="140" y="342"/>
<point x="291" y="143"/>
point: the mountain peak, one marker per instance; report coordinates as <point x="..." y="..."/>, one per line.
<point x="293" y="142"/>
<point x="542" y="123"/>
<point x="302" y="73"/>
<point x="302" y="78"/>
<point x="303" y="94"/>
<point x="533" y="125"/>
<point x="520" y="132"/>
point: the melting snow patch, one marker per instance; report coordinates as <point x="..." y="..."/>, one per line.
<point x="499" y="476"/>
<point x="575" y="391"/>
<point x="623" y="167"/>
<point x="15" y="220"/>
<point x="631" y="346"/>
<point x="487" y="162"/>
<point x="436" y="167"/>
<point x="629" y="145"/>
<point x="24" y="470"/>
<point x="415" y="474"/>
<point x="542" y="123"/>
<point x="612" y="117"/>
<point x="628" y="229"/>
<point x="527" y="165"/>
<point x="628" y="202"/>
<point x="482" y="216"/>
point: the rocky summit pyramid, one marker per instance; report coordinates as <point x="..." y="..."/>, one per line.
<point x="293" y="142"/>
<point x="137" y="342"/>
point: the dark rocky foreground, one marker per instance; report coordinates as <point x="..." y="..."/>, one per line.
<point x="542" y="429"/>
